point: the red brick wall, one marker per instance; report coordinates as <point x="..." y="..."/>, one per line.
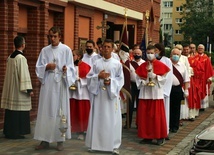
<point x="59" y="21"/>
<point x="32" y="50"/>
<point x="80" y="11"/>
<point x="3" y="47"/>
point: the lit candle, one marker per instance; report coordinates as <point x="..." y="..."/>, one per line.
<point x="210" y="48"/>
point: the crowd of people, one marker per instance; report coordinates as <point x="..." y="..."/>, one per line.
<point x="90" y="90"/>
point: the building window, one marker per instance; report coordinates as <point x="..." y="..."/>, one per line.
<point x="178" y="20"/>
<point x="179" y="9"/>
<point x="167" y="15"/>
<point x="168" y="4"/>
<point x="177" y="31"/>
<point x="167" y="26"/>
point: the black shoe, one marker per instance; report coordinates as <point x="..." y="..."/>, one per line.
<point x="146" y="141"/>
<point x="43" y="145"/>
<point x="15" y="137"/>
<point x="174" y="130"/>
<point x="125" y="127"/>
<point x="191" y="119"/>
<point x="123" y="115"/>
<point x="167" y="138"/>
<point x="161" y="141"/>
<point x="59" y="146"/>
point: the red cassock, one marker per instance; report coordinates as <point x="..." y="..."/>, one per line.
<point x="151" y="112"/>
<point x="204" y="73"/>
<point x="79" y="108"/>
<point x="195" y="89"/>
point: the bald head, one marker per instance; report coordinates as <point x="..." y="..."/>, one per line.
<point x="180" y="47"/>
<point x="137" y="52"/>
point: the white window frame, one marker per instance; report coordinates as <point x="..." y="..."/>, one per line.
<point x="179" y="20"/>
<point x="178" y="32"/>
<point x="179" y="9"/>
<point x="167" y="26"/>
<point x="168" y="4"/>
<point x="168" y="15"/>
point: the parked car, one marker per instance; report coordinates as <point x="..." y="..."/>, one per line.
<point x="204" y="142"/>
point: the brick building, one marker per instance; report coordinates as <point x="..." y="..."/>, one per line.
<point x="78" y="20"/>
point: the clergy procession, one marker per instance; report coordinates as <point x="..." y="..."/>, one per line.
<point x="91" y="92"/>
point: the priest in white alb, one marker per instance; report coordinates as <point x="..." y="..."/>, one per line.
<point x="55" y="70"/>
<point x="105" y="81"/>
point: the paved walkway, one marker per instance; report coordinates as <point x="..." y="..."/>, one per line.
<point x="178" y="144"/>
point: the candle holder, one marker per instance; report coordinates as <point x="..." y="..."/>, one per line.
<point x="73" y="87"/>
<point x="106" y="82"/>
<point x="150" y="69"/>
<point x="151" y="83"/>
<point x="63" y="126"/>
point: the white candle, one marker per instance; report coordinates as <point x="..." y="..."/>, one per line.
<point x="210" y="48"/>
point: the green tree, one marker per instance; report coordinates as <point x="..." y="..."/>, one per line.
<point x="198" y="21"/>
<point x="160" y="36"/>
<point x="167" y="40"/>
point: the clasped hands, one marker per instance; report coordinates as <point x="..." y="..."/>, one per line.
<point x="105" y="76"/>
<point x="52" y="66"/>
<point x="151" y="75"/>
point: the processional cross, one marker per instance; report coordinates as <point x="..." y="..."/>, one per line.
<point x="103" y="27"/>
<point x="125" y="10"/>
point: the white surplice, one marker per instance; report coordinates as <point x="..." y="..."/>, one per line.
<point x="88" y="58"/>
<point x="82" y="91"/>
<point x="98" y="56"/>
<point x="105" y="123"/>
<point x="54" y="92"/>
<point x="16" y="83"/>
<point x="184" y="107"/>
<point x="167" y="88"/>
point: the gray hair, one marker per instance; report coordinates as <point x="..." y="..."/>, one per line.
<point x="175" y="48"/>
<point x="201" y="45"/>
